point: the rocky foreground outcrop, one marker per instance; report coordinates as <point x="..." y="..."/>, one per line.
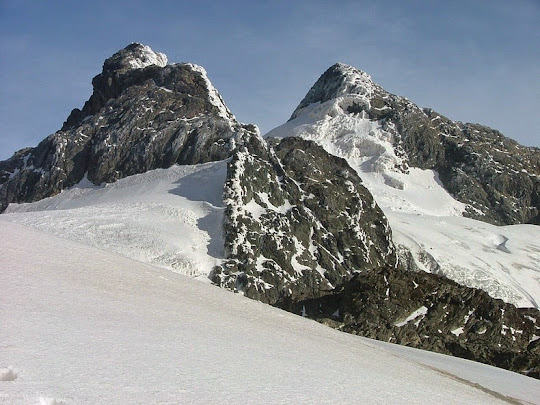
<point x="298" y="223"/>
<point x="430" y="312"/>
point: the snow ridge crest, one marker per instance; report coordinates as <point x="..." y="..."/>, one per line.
<point x="134" y="56"/>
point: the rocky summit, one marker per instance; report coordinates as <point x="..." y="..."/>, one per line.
<point x="143" y="114"/>
<point x="308" y="209"/>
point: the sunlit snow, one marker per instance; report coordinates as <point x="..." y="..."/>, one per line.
<point x="168" y="217"/>
<point x="84" y="326"/>
<point x="146" y="58"/>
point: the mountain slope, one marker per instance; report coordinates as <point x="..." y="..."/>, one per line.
<point x="163" y="216"/>
<point x="354" y="118"/>
<point x="299" y="226"/>
<point x="284" y="246"/>
<point x="142" y="115"/>
<point x="497" y="179"/>
<point x="93" y="327"/>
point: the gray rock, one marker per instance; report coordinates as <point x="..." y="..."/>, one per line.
<point x="298" y="222"/>
<point x="141" y="116"/>
<point x="429" y="312"/>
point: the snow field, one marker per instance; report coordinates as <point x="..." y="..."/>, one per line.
<point x="81" y="325"/>
<point x="168" y="217"/>
<point x="501" y="260"/>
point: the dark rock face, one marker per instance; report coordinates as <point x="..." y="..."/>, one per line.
<point x="298" y="223"/>
<point x="495" y="176"/>
<point x="141" y="116"/>
<point x="429" y="312"/>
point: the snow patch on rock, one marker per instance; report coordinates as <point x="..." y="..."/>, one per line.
<point x="145" y="56"/>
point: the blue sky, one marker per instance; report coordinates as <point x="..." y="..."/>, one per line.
<point x="473" y="61"/>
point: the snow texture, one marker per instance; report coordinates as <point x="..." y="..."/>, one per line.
<point x="147" y="57"/>
<point x="83" y="326"/>
<point x="425" y="219"/>
<point x="168" y="217"/>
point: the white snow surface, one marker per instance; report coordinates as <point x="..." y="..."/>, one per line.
<point x="424" y="217"/>
<point x="147" y="57"/>
<point x="168" y="217"/>
<point x="502" y="260"/>
<point x="83" y="326"/>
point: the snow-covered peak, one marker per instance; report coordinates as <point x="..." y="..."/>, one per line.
<point x="213" y="95"/>
<point x="340" y="114"/>
<point x="340" y="80"/>
<point x="145" y="56"/>
<point x="352" y="80"/>
<point x="134" y="56"/>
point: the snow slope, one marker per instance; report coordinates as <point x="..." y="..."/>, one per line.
<point x="168" y="217"/>
<point x="425" y="219"/>
<point x="84" y="326"/>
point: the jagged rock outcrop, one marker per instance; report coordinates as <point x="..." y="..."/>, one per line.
<point x="427" y="311"/>
<point x="142" y="115"/>
<point x="298" y="223"/>
<point x="496" y="177"/>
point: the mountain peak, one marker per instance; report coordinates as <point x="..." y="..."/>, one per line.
<point x="134" y="56"/>
<point x="339" y="80"/>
